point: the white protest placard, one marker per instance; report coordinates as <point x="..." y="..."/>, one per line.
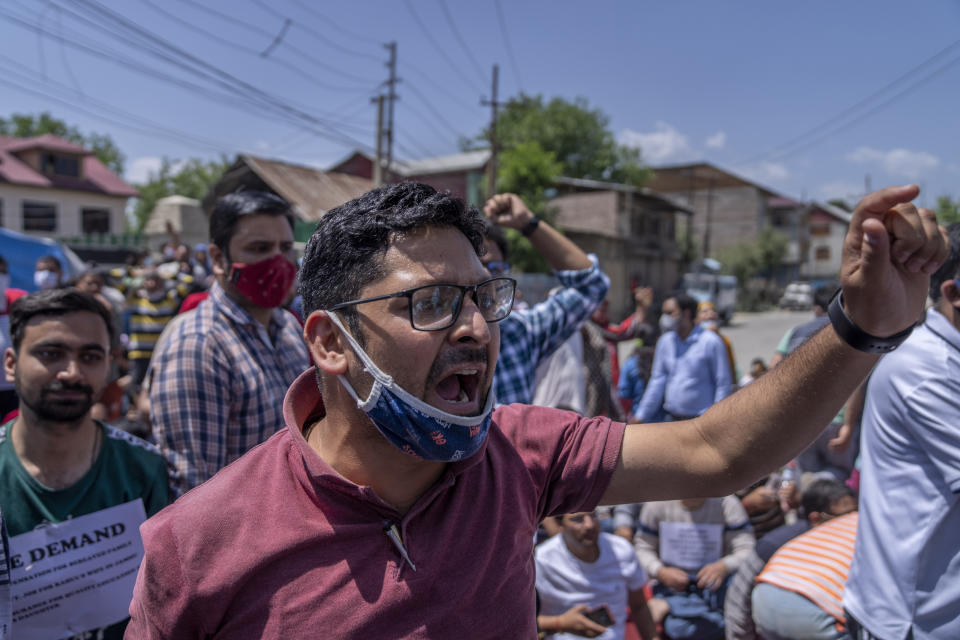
<point x="4" y="583"/>
<point x="76" y="575"/>
<point x="688" y="545"/>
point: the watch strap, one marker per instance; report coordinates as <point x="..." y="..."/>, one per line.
<point x="531" y="226"/>
<point x="857" y="337"/>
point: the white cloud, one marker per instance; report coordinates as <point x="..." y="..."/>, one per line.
<point x="665" y="144"/>
<point x="897" y="162"/>
<point x="717" y="140"/>
<point x="140" y="170"/>
<point x="766" y="172"/>
<point x="843" y="189"/>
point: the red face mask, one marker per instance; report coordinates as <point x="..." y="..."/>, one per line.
<point x="265" y="283"/>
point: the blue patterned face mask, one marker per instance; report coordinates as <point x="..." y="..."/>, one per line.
<point x="412" y="425"/>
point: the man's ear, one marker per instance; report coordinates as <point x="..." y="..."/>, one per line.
<point x="219" y="260"/>
<point x="950" y="292"/>
<point x="323" y="342"/>
<point x="9" y="363"/>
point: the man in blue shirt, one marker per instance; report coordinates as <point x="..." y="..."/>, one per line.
<point x="691" y="369"/>
<point x="529" y="336"/>
<point x="905" y="575"/>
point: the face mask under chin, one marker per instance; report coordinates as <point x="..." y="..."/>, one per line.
<point x="409" y="423"/>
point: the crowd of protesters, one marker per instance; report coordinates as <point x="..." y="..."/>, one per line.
<point x="145" y="381"/>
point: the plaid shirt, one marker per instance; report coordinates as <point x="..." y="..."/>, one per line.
<point x="218" y="386"/>
<point x="530" y="336"/>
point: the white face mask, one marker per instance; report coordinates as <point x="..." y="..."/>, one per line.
<point x="710" y="325"/>
<point x="46" y="279"/>
<point x="667" y="323"/>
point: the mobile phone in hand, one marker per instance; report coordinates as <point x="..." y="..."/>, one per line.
<point x="600" y="615"/>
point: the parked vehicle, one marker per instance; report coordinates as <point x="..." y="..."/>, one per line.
<point x="797" y="295"/>
<point x="22" y="251"/>
<point x="708" y="285"/>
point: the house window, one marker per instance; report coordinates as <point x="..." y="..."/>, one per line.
<point x="61" y="165"/>
<point x="95" y="220"/>
<point x="39" y="216"/>
<point x="820" y="230"/>
<point x="822" y="254"/>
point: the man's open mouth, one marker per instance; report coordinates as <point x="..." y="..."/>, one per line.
<point x="460" y="387"/>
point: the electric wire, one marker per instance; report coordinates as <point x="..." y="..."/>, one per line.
<point x="506" y="42"/>
<point x="463" y="44"/>
<point x="234" y="97"/>
<point x="436" y="45"/>
<point x="813" y="135"/>
<point x="316" y="34"/>
<point x="248" y="50"/>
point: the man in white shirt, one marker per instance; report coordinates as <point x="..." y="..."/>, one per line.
<point x="585" y="581"/>
<point x="905" y="576"/>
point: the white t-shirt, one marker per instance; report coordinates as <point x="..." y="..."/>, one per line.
<point x="564" y="581"/>
<point x="905" y="572"/>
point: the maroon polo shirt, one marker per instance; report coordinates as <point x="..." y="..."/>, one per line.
<point x="279" y="545"/>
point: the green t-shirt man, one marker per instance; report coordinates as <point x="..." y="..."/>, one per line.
<point x="126" y="468"/>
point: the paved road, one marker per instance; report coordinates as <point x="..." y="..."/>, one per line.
<point x="757" y="334"/>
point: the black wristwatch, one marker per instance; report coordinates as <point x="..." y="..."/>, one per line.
<point x="857" y="337"/>
<point x="530" y="227"/>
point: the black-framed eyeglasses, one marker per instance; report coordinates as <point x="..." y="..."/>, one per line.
<point x="434" y="307"/>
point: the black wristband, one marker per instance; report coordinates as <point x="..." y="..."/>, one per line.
<point x="857" y="337"/>
<point x="530" y="227"/>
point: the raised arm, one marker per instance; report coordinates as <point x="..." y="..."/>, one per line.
<point x="889" y="252"/>
<point x="508" y="210"/>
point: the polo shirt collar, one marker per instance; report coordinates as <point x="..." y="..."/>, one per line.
<point x="938" y="323"/>
<point x="303" y="404"/>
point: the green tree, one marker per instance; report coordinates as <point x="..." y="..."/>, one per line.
<point x="192" y="179"/>
<point x="748" y="260"/>
<point x="579" y="137"/>
<point x="948" y="210"/>
<point x="528" y="171"/>
<point x="27" y="126"/>
<point x="542" y="140"/>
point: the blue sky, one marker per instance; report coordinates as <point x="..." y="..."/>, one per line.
<point x="726" y="82"/>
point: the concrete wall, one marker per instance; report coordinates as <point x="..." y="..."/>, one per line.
<point x="831" y="242"/>
<point x="736" y="215"/>
<point x="69" y="205"/>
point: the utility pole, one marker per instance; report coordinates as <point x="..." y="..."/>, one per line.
<point x="391" y="97"/>
<point x="492" y="164"/>
<point x="378" y="166"/>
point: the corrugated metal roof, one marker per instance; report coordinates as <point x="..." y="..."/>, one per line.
<point x="312" y="192"/>
<point x="641" y="192"/>
<point x="840" y="214"/>
<point x="446" y="164"/>
<point x="47" y="141"/>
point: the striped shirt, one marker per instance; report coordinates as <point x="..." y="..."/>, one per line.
<point x="218" y="383"/>
<point x="147" y="318"/>
<point x="816" y="564"/>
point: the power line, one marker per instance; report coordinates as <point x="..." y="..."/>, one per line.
<point x="239" y="92"/>
<point x="506" y="42"/>
<point x="436" y="45"/>
<point x="316" y="34"/>
<point x="136" y="35"/>
<point x="781" y="150"/>
<point x="439" y="116"/>
<point x="147" y="127"/>
<point x="425" y="121"/>
<point x="270" y="35"/>
<point x="463" y="43"/>
<point x="439" y="87"/>
<point x="353" y="34"/>
<point x="248" y="50"/>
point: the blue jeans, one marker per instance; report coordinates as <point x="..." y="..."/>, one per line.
<point x="695" y="614"/>
<point x="784" y="615"/>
